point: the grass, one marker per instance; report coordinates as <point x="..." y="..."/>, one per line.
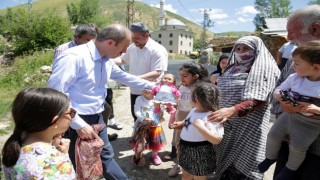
<point x="23" y="73"/>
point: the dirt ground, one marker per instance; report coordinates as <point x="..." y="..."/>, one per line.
<point x="124" y="152"/>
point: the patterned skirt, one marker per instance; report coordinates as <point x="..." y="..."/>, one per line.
<point x="153" y="137"/>
<point x="197" y="158"/>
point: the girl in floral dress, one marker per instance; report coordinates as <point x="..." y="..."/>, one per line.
<point x="36" y="150"/>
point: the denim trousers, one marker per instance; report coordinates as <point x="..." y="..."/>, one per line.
<point x="111" y="170"/>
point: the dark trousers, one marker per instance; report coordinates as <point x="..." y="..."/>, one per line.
<point x="309" y="169"/>
<point x="111" y="169"/>
<point x="108" y="106"/>
<point x="133" y="98"/>
<point x="283" y="63"/>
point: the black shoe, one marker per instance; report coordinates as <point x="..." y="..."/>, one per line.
<point x="112" y="137"/>
<point x="172" y="154"/>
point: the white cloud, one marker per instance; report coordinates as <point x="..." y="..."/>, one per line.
<point x="213" y="13"/>
<point x="246" y="11"/>
<point x="225" y="22"/>
<point x="167" y="7"/>
<point x="242" y="19"/>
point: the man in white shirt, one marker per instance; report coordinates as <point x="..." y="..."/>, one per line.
<point x="146" y="58"/>
<point x="284" y="53"/>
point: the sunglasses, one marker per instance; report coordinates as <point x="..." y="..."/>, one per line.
<point x="72" y="113"/>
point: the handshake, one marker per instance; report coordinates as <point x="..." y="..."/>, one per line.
<point x="287" y="96"/>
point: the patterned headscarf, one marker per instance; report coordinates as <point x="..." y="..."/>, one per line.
<point x="264" y="71"/>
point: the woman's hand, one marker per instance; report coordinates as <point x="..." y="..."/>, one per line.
<point x="222" y="114"/>
<point x="177" y="125"/>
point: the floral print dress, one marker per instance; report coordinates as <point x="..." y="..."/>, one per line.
<point x="41" y="161"/>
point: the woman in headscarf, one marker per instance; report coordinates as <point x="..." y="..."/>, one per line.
<point x="245" y="90"/>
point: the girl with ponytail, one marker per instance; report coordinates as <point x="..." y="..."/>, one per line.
<point x="36" y="150"/>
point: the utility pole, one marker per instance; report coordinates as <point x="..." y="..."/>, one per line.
<point x="30" y="5"/>
<point x="130" y="12"/>
<point x="205" y="24"/>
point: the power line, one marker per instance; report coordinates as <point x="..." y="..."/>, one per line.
<point x="186" y="10"/>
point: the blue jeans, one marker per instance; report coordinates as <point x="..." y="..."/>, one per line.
<point x="111" y="170"/>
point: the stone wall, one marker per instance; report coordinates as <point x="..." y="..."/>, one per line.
<point x="273" y="43"/>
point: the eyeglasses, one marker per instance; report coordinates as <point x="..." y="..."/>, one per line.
<point x="72" y="113"/>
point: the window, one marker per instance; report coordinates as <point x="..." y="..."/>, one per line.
<point x="174" y="27"/>
<point x="186" y="36"/>
<point x="159" y="42"/>
<point x="181" y="43"/>
<point x="171" y="35"/>
<point x="189" y="44"/>
<point x="159" y="35"/>
<point x="181" y="35"/>
<point x="170" y="51"/>
<point x="170" y="43"/>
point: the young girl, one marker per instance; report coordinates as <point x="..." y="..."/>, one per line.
<point x="148" y="132"/>
<point x="221" y="66"/>
<point x="36" y="150"/>
<point x="190" y="74"/>
<point x="166" y="93"/>
<point x="196" y="153"/>
<point x="302" y="122"/>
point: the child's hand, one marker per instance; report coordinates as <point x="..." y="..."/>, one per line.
<point x="288" y="106"/>
<point x="147" y="120"/>
<point x="61" y="144"/>
<point x="309" y="108"/>
<point x="177" y="125"/>
<point x="64" y="145"/>
<point x="56" y="140"/>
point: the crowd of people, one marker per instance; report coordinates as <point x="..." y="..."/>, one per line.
<point x="220" y="122"/>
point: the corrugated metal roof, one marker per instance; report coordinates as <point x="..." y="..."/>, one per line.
<point x="275" y="24"/>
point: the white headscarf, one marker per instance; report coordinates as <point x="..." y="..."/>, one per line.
<point x="264" y="71"/>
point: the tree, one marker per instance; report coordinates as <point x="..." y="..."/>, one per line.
<point x="83" y="12"/>
<point x="314" y="2"/>
<point x="270" y="9"/>
<point x="35" y="31"/>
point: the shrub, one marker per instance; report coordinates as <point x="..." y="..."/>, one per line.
<point x="30" y="31"/>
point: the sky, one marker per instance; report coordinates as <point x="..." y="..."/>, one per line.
<point x="227" y="15"/>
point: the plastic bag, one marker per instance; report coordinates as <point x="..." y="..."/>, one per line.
<point x="88" y="161"/>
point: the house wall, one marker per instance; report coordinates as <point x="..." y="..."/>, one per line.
<point x="176" y="41"/>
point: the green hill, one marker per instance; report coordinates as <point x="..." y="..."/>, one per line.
<point x="115" y="10"/>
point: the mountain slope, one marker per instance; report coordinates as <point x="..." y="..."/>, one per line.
<point x="115" y="10"/>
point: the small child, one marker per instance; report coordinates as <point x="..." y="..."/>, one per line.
<point x="36" y="150"/>
<point x="148" y="132"/>
<point x="190" y="74"/>
<point x="302" y="125"/>
<point x="166" y="93"/>
<point x="196" y="153"/>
